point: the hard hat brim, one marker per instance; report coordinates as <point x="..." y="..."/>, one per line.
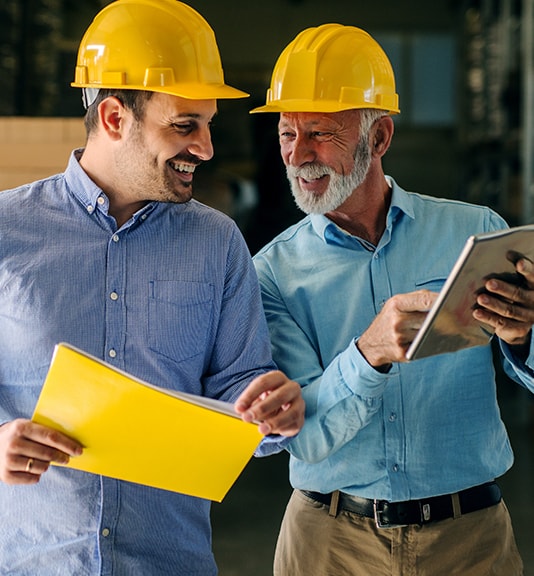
<point x="317" y="106"/>
<point x="187" y="91"/>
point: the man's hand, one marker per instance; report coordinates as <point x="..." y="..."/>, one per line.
<point x="27" y="449"/>
<point x="390" y="334"/>
<point x="509" y="308"/>
<point x="274" y="401"/>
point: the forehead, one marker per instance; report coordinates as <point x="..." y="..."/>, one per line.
<point x="311" y="120"/>
<point x="177" y="107"/>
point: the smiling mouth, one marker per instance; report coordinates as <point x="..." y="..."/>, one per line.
<point x="312" y="180"/>
<point x="182" y="167"/>
<point x="315" y="186"/>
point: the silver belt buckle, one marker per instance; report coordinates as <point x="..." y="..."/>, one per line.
<point x="378" y="510"/>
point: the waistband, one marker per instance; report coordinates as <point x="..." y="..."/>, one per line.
<point x="397" y="514"/>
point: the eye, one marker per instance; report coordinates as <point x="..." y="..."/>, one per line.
<point x="322" y="136"/>
<point x="286" y="135"/>
<point x="183" y="127"/>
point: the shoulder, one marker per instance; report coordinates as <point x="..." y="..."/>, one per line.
<point x="457" y="214"/>
<point x="208" y="230"/>
<point x="197" y="220"/>
<point x="196" y="210"/>
<point x="22" y="198"/>
<point x="290" y="239"/>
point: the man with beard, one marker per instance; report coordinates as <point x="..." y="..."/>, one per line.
<point x="115" y="258"/>
<point x="394" y="469"/>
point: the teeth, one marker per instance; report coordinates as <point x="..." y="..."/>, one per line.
<point x="189" y="168"/>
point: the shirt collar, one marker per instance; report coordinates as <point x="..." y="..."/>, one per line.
<point x="79" y="183"/>
<point x="401" y="203"/>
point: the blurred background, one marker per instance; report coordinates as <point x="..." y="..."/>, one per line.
<point x="464" y="71"/>
<point x="465" y="76"/>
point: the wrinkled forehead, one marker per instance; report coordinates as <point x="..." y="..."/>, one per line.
<point x="326" y="120"/>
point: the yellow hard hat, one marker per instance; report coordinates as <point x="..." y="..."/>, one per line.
<point x="155" y="45"/>
<point x="332" y="68"/>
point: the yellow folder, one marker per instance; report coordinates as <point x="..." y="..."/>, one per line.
<point x="139" y="432"/>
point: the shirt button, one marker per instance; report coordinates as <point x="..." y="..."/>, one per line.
<point x="114" y="296"/>
<point x="143" y="216"/>
<point x="105" y="532"/>
<point x="392" y="417"/>
<point x="395" y="467"/>
<point x="101" y="200"/>
<point x="115" y="238"/>
<point x="90" y="209"/>
<point x="112" y="353"/>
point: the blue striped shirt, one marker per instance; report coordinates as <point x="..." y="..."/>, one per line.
<point x="172" y="298"/>
<point x="426" y="428"/>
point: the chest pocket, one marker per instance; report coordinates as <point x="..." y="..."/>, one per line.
<point x="179" y="318"/>
<point x="434" y="284"/>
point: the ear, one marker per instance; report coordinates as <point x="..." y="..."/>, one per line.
<point x="112" y="115"/>
<point x="381" y="135"/>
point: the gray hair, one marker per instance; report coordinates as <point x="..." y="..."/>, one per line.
<point x="368" y="116"/>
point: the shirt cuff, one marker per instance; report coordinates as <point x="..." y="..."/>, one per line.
<point x="360" y="377"/>
<point x="272" y="444"/>
<point x="523" y="368"/>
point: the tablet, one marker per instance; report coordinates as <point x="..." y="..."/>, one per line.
<point x="449" y="325"/>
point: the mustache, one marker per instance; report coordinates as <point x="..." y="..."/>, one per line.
<point x="309" y="171"/>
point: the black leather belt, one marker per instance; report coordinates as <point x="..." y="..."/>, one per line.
<point x="395" y="514"/>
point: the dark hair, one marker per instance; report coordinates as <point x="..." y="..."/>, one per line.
<point x="134" y="100"/>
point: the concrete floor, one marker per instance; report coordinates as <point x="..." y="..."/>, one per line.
<point x="245" y="524"/>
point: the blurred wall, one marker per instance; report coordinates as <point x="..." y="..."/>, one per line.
<point x="33" y="148"/>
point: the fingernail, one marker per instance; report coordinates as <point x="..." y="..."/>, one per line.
<point x="265" y="428"/>
<point x="524" y="265"/>
<point x="248" y="416"/>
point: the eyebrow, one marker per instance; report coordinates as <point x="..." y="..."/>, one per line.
<point x="326" y="123"/>
<point x="191" y="115"/>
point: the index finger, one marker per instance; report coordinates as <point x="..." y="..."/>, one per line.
<point x="418" y="301"/>
<point x="53" y="439"/>
<point x="526" y="268"/>
<point x="258" y="389"/>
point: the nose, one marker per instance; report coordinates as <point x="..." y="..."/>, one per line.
<point x="202" y="146"/>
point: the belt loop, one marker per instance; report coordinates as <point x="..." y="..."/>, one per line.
<point x="334" y="504"/>
<point x="456" y="507"/>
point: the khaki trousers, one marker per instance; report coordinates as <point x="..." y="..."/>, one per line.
<point x="314" y="543"/>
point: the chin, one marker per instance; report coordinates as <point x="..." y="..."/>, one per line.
<point x="312" y="203"/>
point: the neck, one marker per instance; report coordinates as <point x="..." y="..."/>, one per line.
<point x="122" y="213"/>
<point x="98" y="167"/>
<point x="356" y="227"/>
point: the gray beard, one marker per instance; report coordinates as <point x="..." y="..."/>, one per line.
<point x="340" y="187"/>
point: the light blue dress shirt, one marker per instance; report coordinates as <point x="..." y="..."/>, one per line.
<point x="425" y="428"/>
<point x="171" y="297"/>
